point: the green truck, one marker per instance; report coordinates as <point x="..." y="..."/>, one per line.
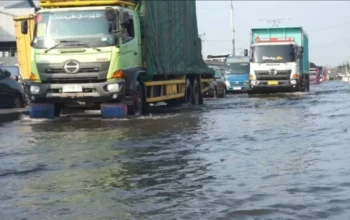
<point x="115" y="52"/>
<point x="279" y="60"/>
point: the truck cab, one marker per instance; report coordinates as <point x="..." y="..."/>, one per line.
<point x="72" y="63"/>
<point x="237" y="74"/>
<point x="279" y="60"/>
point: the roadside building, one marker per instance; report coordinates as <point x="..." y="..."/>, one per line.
<point x="9" y="9"/>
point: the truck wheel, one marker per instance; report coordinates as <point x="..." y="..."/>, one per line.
<point x="137" y="107"/>
<point x="188" y="93"/>
<point x="224" y="93"/>
<point x="307" y="84"/>
<point x="195" y="93"/>
<point x="215" y="93"/>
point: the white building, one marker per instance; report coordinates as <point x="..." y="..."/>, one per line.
<point x="9" y="9"/>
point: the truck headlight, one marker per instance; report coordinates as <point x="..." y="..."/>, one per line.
<point x="293" y="82"/>
<point x="227" y="83"/>
<point x="253" y="82"/>
<point x="34" y="89"/>
<point x="252" y="77"/>
<point x="113" y="87"/>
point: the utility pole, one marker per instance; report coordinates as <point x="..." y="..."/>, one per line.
<point x="274" y="22"/>
<point x="233" y="31"/>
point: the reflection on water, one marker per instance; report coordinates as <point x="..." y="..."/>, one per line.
<point x="264" y="157"/>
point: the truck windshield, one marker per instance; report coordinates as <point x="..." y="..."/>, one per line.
<point x="313" y="73"/>
<point x="274" y="54"/>
<point x="237" y="68"/>
<point x="88" y="27"/>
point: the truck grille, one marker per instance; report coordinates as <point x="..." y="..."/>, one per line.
<point x="82" y="70"/>
<point x="74" y="80"/>
<point x="236" y="83"/>
<point x="265" y="75"/>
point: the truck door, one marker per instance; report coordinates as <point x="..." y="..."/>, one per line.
<point x="129" y="44"/>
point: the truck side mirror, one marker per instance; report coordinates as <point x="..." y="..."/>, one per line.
<point x="24" y="27"/>
<point x="301" y="50"/>
<point x="124" y="18"/>
<point x="111" y="14"/>
<point x="245" y="52"/>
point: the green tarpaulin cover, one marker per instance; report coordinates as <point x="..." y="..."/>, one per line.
<point x="170" y="37"/>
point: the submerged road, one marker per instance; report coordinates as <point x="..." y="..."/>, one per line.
<point x="266" y="157"/>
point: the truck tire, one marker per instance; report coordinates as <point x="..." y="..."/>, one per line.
<point x="215" y="93"/>
<point x="307" y="83"/>
<point x="138" y="102"/>
<point x="224" y="93"/>
<point x="196" y="97"/>
<point x="188" y="92"/>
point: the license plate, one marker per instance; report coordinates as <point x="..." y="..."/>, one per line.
<point x="72" y="88"/>
<point x="272" y="82"/>
<point x="237" y="88"/>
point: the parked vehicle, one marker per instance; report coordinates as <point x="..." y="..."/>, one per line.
<point x="279" y="60"/>
<point x="15" y="72"/>
<point x="218" y="86"/>
<point x="11" y="92"/>
<point x="237" y="74"/>
<point x="16" y="75"/>
<point x="314" y="76"/>
<point x="116" y="60"/>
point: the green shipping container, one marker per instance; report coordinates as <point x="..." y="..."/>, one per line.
<point x="170" y="38"/>
<point x="299" y="35"/>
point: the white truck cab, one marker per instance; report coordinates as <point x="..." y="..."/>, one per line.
<point x="278" y="61"/>
<point x="274" y="63"/>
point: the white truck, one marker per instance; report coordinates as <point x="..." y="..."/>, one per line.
<point x="279" y="60"/>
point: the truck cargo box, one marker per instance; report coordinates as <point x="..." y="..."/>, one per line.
<point x="170" y="37"/>
<point x="299" y="35"/>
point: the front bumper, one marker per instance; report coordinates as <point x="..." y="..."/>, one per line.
<point x="265" y="85"/>
<point x="90" y="91"/>
<point x="238" y="88"/>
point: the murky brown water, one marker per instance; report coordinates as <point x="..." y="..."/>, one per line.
<point x="271" y="157"/>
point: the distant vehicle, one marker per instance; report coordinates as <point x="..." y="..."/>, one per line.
<point x="314" y="76"/>
<point x="237" y="74"/>
<point x="11" y="92"/>
<point x="323" y="73"/>
<point x="16" y="75"/>
<point x="218" y="86"/>
<point x="279" y="60"/>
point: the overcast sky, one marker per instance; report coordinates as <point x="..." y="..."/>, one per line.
<point x="326" y="22"/>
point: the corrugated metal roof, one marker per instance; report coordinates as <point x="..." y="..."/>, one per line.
<point x="7" y="25"/>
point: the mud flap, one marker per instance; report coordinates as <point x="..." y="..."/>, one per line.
<point x="42" y="110"/>
<point x="114" y="110"/>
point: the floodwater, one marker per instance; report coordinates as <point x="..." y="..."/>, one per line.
<point x="266" y="157"/>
